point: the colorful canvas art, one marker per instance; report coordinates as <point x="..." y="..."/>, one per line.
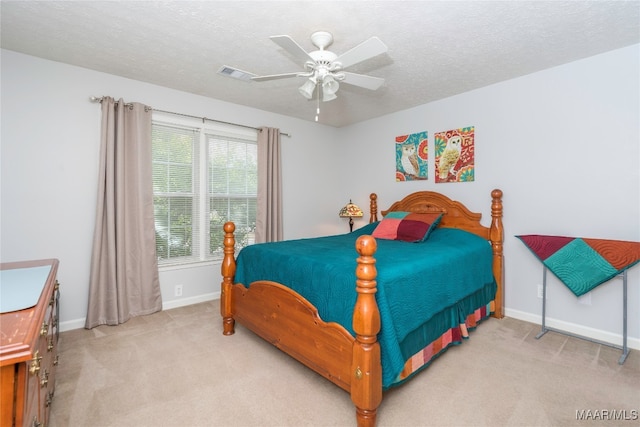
<point x="455" y="155"/>
<point x="412" y="155"/>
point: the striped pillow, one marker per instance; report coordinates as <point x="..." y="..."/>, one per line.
<point x="407" y="226"/>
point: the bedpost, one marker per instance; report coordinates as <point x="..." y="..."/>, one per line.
<point x="366" y="384"/>
<point x="496" y="234"/>
<point x="228" y="269"/>
<point x="373" y="207"/>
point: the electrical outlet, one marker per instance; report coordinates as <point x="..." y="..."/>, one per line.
<point x="540" y="291"/>
<point x="178" y="290"/>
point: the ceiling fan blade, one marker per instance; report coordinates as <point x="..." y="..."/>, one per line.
<point x="363" y="51"/>
<point x="361" y="80"/>
<point x="275" y="77"/>
<point x="290" y="45"/>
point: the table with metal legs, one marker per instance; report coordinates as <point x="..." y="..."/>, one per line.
<point x="545" y="328"/>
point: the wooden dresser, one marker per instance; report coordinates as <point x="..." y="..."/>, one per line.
<point x="28" y="342"/>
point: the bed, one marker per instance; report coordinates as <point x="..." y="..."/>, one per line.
<point x="363" y="322"/>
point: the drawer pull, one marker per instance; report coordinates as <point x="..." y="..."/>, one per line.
<point x="34" y="368"/>
<point x="44" y="379"/>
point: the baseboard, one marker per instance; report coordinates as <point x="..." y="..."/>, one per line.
<point x="70" y="325"/>
<point x="182" y="302"/>
<point x="583" y="331"/>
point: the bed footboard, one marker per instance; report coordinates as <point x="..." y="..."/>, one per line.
<point x="287" y="320"/>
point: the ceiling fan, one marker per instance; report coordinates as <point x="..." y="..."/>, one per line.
<point x="324" y="70"/>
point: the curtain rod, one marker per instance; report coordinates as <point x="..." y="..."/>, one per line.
<point x="99" y="99"/>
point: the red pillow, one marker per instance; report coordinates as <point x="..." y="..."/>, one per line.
<point x="407" y="226"/>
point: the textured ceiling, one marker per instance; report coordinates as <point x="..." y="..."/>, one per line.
<point x="436" y="48"/>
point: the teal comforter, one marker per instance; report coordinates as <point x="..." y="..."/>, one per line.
<point x="424" y="289"/>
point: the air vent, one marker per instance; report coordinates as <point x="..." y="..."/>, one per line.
<point x="234" y="73"/>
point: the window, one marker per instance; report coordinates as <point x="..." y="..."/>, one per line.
<point x="203" y="176"/>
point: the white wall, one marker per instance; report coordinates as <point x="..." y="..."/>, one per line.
<point x="563" y="145"/>
<point x="49" y="149"/>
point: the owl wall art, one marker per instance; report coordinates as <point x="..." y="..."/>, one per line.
<point x="412" y="156"/>
<point x="455" y="155"/>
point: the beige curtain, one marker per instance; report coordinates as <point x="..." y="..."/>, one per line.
<point x="124" y="270"/>
<point x="269" y="209"/>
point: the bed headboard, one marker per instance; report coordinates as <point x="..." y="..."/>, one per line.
<point x="456" y="215"/>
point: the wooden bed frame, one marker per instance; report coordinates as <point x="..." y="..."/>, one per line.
<point x="288" y="321"/>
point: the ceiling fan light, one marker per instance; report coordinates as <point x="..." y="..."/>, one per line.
<point x="307" y="89"/>
<point x="330" y="85"/>
<point x="328" y="96"/>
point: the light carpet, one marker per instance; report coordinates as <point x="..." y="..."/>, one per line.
<point x="175" y="368"/>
